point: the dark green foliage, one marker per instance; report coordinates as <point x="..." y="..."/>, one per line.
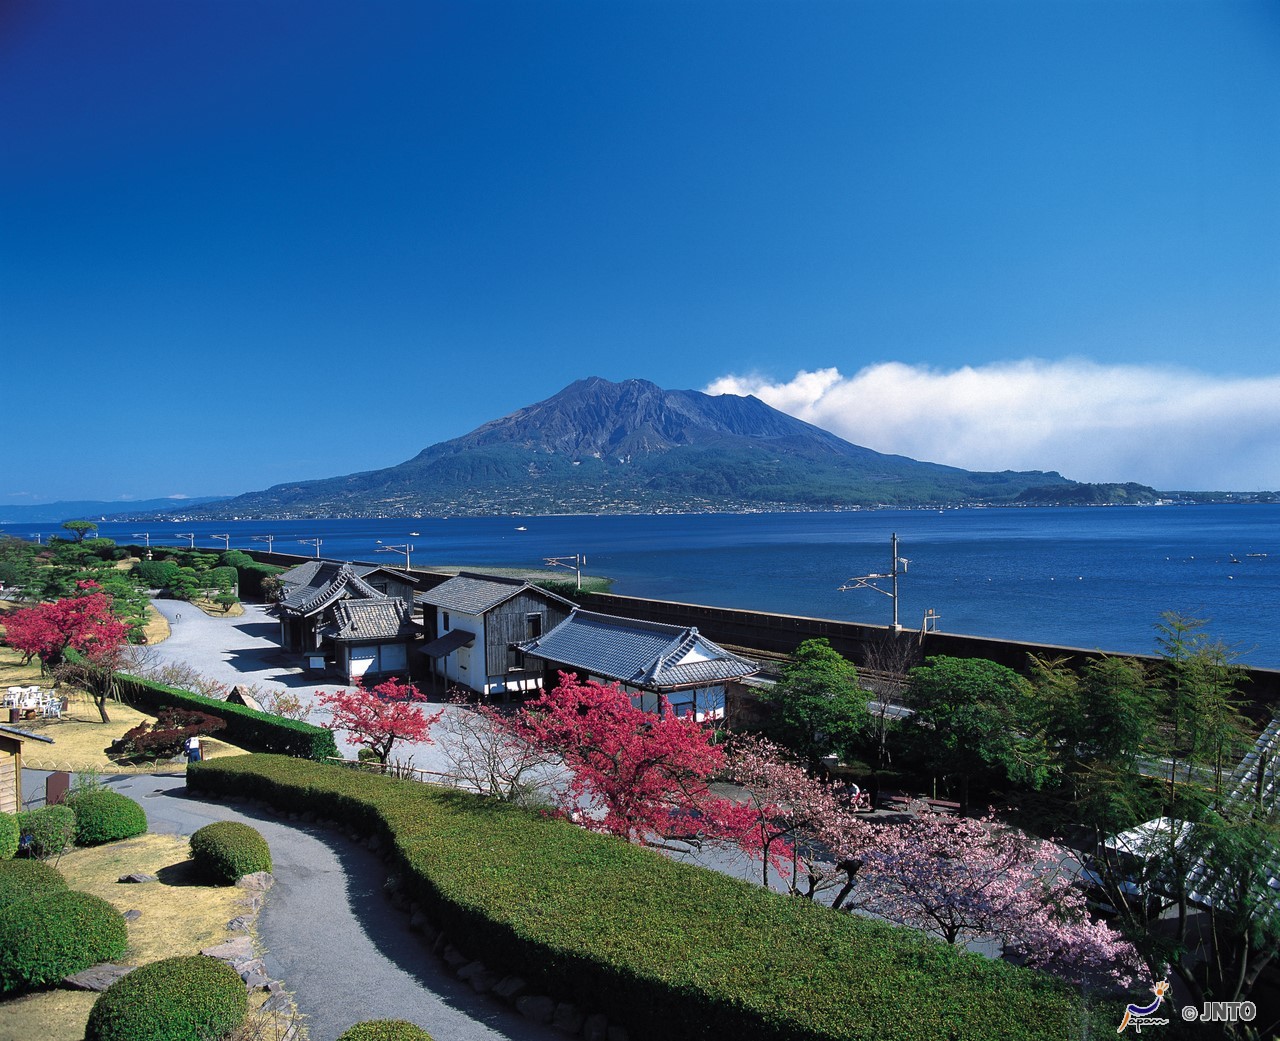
<point x="817" y="706"/>
<point x="27" y="880"/>
<point x="245" y="726"/>
<point x="226" y="851"/>
<point x="385" y="1030"/>
<point x="44" y="939"/>
<point x="8" y="835"/>
<point x="672" y="950"/>
<point x="192" y="998"/>
<point x="219" y="578"/>
<point x="167" y="736"/>
<point x="47" y="832"/>
<point x="156" y="574"/>
<point x="106" y="816"/>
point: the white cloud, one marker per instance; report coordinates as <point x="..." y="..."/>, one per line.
<point x="1165" y="427"/>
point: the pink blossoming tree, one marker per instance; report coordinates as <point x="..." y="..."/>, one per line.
<point x="380" y="717"/>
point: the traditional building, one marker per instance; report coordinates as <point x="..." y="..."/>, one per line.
<point x="648" y="659"/>
<point x="473" y="623"/>
<point x="355" y="618"/>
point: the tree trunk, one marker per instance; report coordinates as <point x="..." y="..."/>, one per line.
<point x="101" y="701"/>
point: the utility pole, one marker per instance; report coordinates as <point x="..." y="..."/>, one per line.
<point x="406" y="550"/>
<point x="268" y="539"/>
<point x="142" y="535"/>
<point x="190" y="536"/>
<point x="579" y="562"/>
<point x="226" y="540"/>
<point x="313" y="542"/>
<point x="868" y="581"/>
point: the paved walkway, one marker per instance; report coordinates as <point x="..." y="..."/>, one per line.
<point x="327" y="932"/>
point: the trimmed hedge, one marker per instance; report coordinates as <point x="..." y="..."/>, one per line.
<point x="225" y="851"/>
<point x="47" y="832"/>
<point x="671" y="950"/>
<point x="245" y="726"/>
<point x="175" y="999"/>
<point x="53" y="936"/>
<point x="28" y="880"/>
<point x="8" y="835"/>
<point x="106" y="816"/>
<point x="385" y="1030"/>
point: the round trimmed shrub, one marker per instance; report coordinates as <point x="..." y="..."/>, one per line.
<point x="27" y="880"/>
<point x="8" y="835"/>
<point x="44" y="939"/>
<point x="174" y="999"/>
<point x="385" y="1030"/>
<point x="106" y="816"/>
<point x="226" y="851"/>
<point x="47" y="832"/>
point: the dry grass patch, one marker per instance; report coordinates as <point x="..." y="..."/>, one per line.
<point x="157" y="628"/>
<point x="214" y="610"/>
<point x="179" y="917"/>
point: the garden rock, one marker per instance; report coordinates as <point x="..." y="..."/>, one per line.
<point x="536" y="1007"/>
<point x="258" y="881"/>
<point x="132" y="915"/>
<point x="98" y="977"/>
<point x="568" y="1018"/>
<point x="238" y="949"/>
<point x="136" y="876"/>
<point x="509" y="988"/>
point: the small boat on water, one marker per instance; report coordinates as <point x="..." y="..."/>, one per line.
<point x="521" y="528"/>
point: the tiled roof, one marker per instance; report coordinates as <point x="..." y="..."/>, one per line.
<point x="377" y="618"/>
<point x="642" y="654"/>
<point x="323" y="585"/>
<point x="476" y="594"/>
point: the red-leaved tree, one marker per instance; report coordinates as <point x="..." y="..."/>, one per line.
<point x="84" y="623"/>
<point x="634" y="774"/>
<point x="380" y="717"/>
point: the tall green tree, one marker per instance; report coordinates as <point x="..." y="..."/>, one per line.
<point x="817" y="707"/>
<point x="972" y="713"/>
<point x="79" y="528"/>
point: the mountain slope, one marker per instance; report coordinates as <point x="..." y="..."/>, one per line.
<point x="602" y="447"/>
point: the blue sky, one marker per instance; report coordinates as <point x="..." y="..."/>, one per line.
<point x="252" y="241"/>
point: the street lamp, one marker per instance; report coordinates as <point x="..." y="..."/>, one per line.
<point x="190" y="536"/>
<point x="579" y="562"/>
<point x="313" y="542"/>
<point x="268" y="539"/>
<point x="226" y="540"/>
<point x="406" y="550"/>
<point x="142" y="535"/>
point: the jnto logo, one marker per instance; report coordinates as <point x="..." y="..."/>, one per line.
<point x="1139" y="1016"/>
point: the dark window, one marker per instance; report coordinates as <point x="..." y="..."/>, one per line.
<point x="533" y="625"/>
<point x="445" y="617"/>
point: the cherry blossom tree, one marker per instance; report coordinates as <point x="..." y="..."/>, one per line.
<point x="378" y="718"/>
<point x="634" y="774"/>
<point x="806" y="829"/>
<point x="965" y="879"/>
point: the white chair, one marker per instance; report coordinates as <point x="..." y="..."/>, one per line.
<point x="53" y="709"/>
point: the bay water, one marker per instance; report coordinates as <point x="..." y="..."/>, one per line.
<point x="1091" y="577"/>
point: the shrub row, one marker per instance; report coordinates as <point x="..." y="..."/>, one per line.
<point x="175" y="999"/>
<point x="225" y="851"/>
<point x="385" y="1030"/>
<point x="245" y="726"/>
<point x="676" y="951"/>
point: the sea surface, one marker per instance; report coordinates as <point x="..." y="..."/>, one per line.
<point x="1091" y="577"/>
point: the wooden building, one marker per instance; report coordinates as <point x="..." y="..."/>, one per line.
<point x="11" y="740"/>
<point x="473" y="623"/>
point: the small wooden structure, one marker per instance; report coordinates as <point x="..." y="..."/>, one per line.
<point x="11" y="739"/>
